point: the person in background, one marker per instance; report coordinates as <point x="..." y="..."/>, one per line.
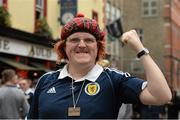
<point x="174" y="106"/>
<point x="13" y="103"/>
<point x="126" y="111"/>
<point x="151" y="111"/>
<point x="83" y="89"/>
<point x="25" y="86"/>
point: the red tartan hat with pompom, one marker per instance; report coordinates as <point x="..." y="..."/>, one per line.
<point x="81" y="24"/>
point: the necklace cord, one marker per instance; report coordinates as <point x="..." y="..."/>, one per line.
<point x="73" y="96"/>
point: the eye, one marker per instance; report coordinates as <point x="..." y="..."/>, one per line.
<point x="74" y="40"/>
<point x="89" y="40"/>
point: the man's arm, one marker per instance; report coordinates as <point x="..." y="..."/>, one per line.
<point x="157" y="91"/>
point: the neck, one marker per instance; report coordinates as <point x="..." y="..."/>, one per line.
<point x="78" y="71"/>
<point x="9" y="83"/>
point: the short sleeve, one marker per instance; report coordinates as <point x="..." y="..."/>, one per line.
<point x="130" y="89"/>
<point x="127" y="88"/>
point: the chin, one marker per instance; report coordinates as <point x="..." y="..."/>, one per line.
<point x="82" y="61"/>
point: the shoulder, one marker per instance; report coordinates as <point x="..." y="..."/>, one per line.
<point x="48" y="74"/>
<point x="116" y="73"/>
<point x="48" y="77"/>
<point x="16" y="92"/>
<point x="117" y="76"/>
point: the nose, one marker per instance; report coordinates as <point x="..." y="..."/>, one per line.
<point x="81" y="43"/>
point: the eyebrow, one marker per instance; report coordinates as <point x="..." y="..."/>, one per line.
<point x="82" y="38"/>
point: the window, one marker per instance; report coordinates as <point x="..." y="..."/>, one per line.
<point x="149" y="8"/>
<point x="41" y="25"/>
<point x="108" y="12"/>
<point x="113" y="13"/>
<point x="39" y="9"/>
<point x="118" y="13"/>
<point x="95" y="15"/>
<point x="140" y="32"/>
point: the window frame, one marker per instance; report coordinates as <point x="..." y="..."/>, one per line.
<point x="95" y="15"/>
<point x="108" y="12"/>
<point x="40" y="8"/>
<point x="149" y="8"/>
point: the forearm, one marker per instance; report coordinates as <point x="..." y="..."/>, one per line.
<point x="157" y="85"/>
<point x="157" y="90"/>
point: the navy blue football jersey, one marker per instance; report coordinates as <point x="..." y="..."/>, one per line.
<point x="100" y="98"/>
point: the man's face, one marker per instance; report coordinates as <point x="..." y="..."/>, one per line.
<point x="24" y="85"/>
<point x="81" y="48"/>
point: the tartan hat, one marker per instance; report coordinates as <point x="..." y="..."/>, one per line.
<point x="81" y="24"/>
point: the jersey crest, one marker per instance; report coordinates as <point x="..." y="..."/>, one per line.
<point x="92" y="88"/>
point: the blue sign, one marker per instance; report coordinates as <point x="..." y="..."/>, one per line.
<point x="68" y="10"/>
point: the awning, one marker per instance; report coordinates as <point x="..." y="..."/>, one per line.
<point x="40" y="66"/>
<point x="18" y="65"/>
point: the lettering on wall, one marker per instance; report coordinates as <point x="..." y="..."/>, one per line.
<point x="4" y="45"/>
<point x="40" y="51"/>
<point x="23" y="48"/>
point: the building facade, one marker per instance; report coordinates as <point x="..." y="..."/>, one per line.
<point x="113" y="45"/>
<point x="157" y="24"/>
<point x="172" y="46"/>
<point x="27" y="44"/>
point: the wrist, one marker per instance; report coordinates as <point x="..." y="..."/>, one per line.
<point x="139" y="48"/>
<point x="142" y="52"/>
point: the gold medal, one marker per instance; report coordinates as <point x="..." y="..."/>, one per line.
<point x="74" y="111"/>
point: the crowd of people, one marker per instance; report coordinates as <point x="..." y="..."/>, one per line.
<point x="15" y="95"/>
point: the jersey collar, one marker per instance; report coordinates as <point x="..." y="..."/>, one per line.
<point x="92" y="75"/>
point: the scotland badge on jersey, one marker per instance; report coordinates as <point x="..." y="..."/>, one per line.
<point x="92" y="88"/>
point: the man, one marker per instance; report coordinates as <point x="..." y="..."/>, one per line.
<point x="25" y="85"/>
<point x="13" y="104"/>
<point x="83" y="89"/>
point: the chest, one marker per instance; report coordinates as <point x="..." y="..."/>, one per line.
<point x="91" y="97"/>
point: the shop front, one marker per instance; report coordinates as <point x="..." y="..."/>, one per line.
<point x="30" y="55"/>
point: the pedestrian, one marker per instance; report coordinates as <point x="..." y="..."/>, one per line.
<point x="126" y="111"/>
<point x="13" y="104"/>
<point x="174" y="106"/>
<point x="151" y="111"/>
<point x="25" y="85"/>
<point x="83" y="88"/>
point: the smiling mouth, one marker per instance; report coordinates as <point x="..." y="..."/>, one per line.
<point x="81" y="52"/>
